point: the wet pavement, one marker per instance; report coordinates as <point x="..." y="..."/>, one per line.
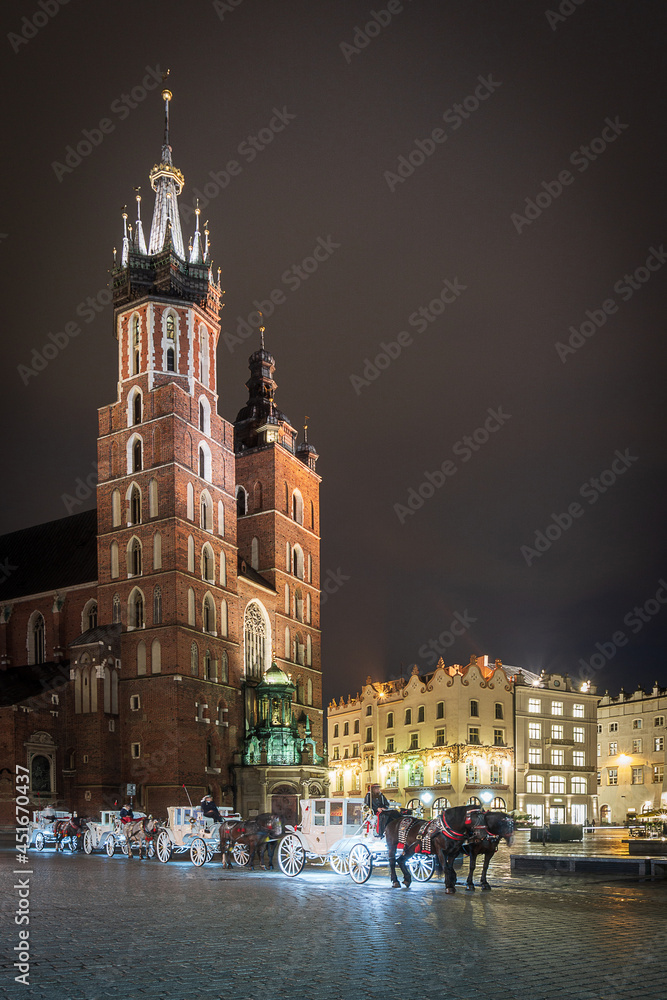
<point x="106" y="927"/>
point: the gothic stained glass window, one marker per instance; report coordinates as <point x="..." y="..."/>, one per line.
<point x="41" y="774"/>
<point x="254" y="630"/>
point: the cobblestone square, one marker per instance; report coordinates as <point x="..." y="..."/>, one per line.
<point x="103" y="927"/>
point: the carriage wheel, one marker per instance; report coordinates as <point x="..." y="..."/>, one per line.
<point x="110" y="845"/>
<point x="39" y="841"/>
<point x="361" y="864"/>
<point x="241" y="854"/>
<point x="422" y="866"/>
<point x="88" y="842"/>
<point x="125" y="846"/>
<point x="163" y="846"/>
<point x="198" y="853"/>
<point x="340" y="864"/>
<point x="210" y="851"/>
<point x="291" y="855"/>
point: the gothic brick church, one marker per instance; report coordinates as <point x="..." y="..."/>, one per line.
<point x="171" y="637"/>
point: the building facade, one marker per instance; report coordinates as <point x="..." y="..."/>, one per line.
<point x="631" y="736"/>
<point x="556" y="727"/>
<point x="431" y="741"/>
<point x="134" y="652"/>
<point x="491" y="733"/>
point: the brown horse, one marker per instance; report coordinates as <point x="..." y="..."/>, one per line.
<point x="254" y="834"/>
<point x="72" y="828"/>
<point x="447" y="833"/>
<point x="487" y="846"/>
<point x="142" y="831"/>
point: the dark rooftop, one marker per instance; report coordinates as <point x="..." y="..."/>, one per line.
<point x="49" y="556"/>
<point x="20" y="683"/>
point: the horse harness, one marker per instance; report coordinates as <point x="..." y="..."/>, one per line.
<point x="426" y="829"/>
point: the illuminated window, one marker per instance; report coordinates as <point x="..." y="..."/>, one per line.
<point x="499" y="737"/>
<point x="612" y="776"/>
<point x="658" y="773"/>
<point x="534" y="705"/>
<point x="579" y="734"/>
<point x="637" y="746"/>
<point x="638" y="776"/>
<point x="613" y="748"/>
<point x="558" y="757"/>
<point x="535" y="755"/>
<point x="579" y="786"/>
<point x="579" y="758"/>
<point x="390" y="744"/>
<point x="556" y="732"/>
<point x="658" y="743"/>
<point x="535" y="730"/>
<point x="556" y="707"/>
<point x="535" y="783"/>
<point x="472" y="774"/>
<point x="496" y="774"/>
<point x="637" y="723"/>
<point x="578" y="711"/>
<point x="556" y="784"/>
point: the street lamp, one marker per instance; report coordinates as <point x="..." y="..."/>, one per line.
<point x="486" y="797"/>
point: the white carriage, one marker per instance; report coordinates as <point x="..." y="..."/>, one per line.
<point x="107" y="835"/>
<point x="341" y="832"/>
<point x="41" y="830"/>
<point x="188" y="831"/>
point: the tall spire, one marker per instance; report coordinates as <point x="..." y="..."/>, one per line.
<point x="167" y="182"/>
<point x="197" y="250"/>
<point x="140" y="241"/>
<point x="125" y="252"/>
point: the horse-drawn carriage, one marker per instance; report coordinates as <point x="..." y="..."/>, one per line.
<point x="188" y="831"/>
<point x="43" y="831"/>
<point x="341" y="832"/>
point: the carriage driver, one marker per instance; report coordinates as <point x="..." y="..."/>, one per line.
<point x="376" y="800"/>
<point x="209" y="809"/>
<point x="126" y="814"/>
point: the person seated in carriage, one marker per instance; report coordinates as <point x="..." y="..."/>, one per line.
<point x="48" y="814"/>
<point x="210" y="810"/>
<point x="126" y="814"/>
<point x="376" y="800"/>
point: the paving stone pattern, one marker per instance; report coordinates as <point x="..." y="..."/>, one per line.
<point x="105" y="927"/>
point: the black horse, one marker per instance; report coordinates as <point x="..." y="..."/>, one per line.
<point x="255" y="834"/>
<point x="448" y="832"/>
<point x="498" y="827"/>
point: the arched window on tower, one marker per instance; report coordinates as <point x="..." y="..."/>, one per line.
<point x="37" y="638"/>
<point x="254" y="553"/>
<point x="135" y="504"/>
<point x="288" y="644"/>
<point x="116" y="614"/>
<point x="204" y="415"/>
<point x="312" y="515"/>
<point x="223" y="570"/>
<point x="190" y="502"/>
<point x="297" y="507"/>
<point x="224" y="667"/>
<point x="208" y="614"/>
<point x="297" y="561"/>
<point x="309" y="692"/>
<point x="209" y="669"/>
<point x="206" y="511"/>
<point x="141" y="658"/>
<point x="309" y="653"/>
<point x="203" y="354"/>
<point x="136" y="408"/>
<point x="204" y="461"/>
<point x="257" y="496"/>
<point x="157" y="606"/>
<point x="191" y="607"/>
<point x="136" y="609"/>
<point x="157" y="550"/>
<point x="191" y="554"/>
<point x="208" y="564"/>
<point x="221" y="518"/>
<point x="194" y="659"/>
<point x="152" y="498"/>
<point x="256" y="639"/>
<point x="241" y="502"/>
<point x="89" y="616"/>
<point x="171" y="360"/>
<point x="113" y="559"/>
<point x="156" y="657"/>
<point x="136" y="346"/>
<point x="115" y="509"/>
<point x="137" y="456"/>
<point x="309" y="610"/>
<point x="223" y="618"/>
<point x="134" y="558"/>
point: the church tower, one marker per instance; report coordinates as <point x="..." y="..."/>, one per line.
<point x="166" y="509"/>
<point x="208" y="538"/>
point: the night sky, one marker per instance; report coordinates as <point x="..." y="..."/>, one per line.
<point x="535" y="207"/>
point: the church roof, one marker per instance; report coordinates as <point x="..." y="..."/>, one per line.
<point x="246" y="570"/>
<point x="109" y="635"/>
<point x="49" y="556"/>
<point x="274" y="676"/>
<point x="19" y="683"/>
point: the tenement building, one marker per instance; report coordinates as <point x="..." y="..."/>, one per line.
<point x="171" y="637"/>
<point x="482" y="732"/>
<point x="631" y="754"/>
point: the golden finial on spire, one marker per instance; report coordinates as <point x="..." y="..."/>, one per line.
<point x="166" y="93"/>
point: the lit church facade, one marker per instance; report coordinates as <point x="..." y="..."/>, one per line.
<point x="173" y="636"/>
